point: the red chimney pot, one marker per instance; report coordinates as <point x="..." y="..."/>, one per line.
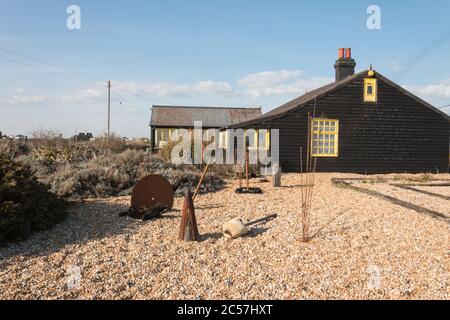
<point x="348" y="53"/>
<point x="341" y="53"/>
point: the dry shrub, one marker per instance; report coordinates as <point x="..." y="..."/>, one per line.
<point x="117" y="174"/>
<point x="166" y="152"/>
<point x="26" y="205"/>
<point x="115" y="144"/>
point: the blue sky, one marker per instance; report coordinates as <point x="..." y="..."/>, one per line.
<point x="192" y="52"/>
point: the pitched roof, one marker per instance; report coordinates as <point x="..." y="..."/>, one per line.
<point x="327" y="90"/>
<point x="212" y="117"/>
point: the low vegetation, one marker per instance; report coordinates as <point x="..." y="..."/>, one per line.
<point x="77" y="170"/>
<point x="26" y="205"/>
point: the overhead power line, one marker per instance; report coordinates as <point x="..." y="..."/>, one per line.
<point x="90" y="80"/>
<point x="49" y="64"/>
<point x="42" y="69"/>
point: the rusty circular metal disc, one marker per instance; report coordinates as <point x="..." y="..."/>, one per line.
<point x="152" y="190"/>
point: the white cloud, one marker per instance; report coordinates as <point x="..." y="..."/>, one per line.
<point x="169" y="89"/>
<point x="87" y="95"/>
<point x="436" y="90"/>
<point x="256" y="85"/>
<point x="283" y="82"/>
<point x="24" y="99"/>
<point x="268" y="78"/>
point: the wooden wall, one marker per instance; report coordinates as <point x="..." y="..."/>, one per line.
<point x="396" y="134"/>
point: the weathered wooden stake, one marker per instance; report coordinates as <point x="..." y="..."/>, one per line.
<point x="247" y="160"/>
<point x="276" y="175"/>
<point x="188" y="227"/>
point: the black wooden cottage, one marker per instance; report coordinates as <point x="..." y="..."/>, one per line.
<point x="362" y="123"/>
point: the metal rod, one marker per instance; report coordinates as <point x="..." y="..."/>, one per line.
<point x="200" y="182"/>
<point x="273" y="216"/>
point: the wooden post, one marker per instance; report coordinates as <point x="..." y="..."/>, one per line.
<point x="240" y="176"/>
<point x="247" y="168"/>
<point x="276" y="175"/>
<point x="188" y="227"/>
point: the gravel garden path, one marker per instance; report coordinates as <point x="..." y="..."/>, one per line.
<point x="362" y="248"/>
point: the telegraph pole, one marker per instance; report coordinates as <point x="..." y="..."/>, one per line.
<point x="109" y="110"/>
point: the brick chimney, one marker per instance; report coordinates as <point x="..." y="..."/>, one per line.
<point x="345" y="65"/>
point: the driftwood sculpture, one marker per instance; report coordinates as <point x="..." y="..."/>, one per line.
<point x="188" y="227"/>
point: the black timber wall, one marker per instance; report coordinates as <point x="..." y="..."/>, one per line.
<point x="396" y="134"/>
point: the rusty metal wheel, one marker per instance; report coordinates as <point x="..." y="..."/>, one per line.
<point x="150" y="191"/>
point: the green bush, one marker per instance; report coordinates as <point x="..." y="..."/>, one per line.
<point x="26" y="205"/>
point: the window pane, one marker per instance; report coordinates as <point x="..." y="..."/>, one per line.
<point x="369" y="90"/>
<point x="324" y="137"/>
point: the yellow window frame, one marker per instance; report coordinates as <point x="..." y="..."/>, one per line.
<point x="370" y="97"/>
<point x="253" y="146"/>
<point x="267" y="139"/>
<point x="325" y="131"/>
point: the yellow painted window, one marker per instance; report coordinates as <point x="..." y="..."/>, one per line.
<point x="252" y="136"/>
<point x="325" y="137"/>
<point x="266" y="135"/>
<point x="164" y="134"/>
<point x="370" y="90"/>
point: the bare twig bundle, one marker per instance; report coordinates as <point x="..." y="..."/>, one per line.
<point x="308" y="179"/>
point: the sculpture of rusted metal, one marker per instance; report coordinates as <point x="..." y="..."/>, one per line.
<point x="188" y="227"/>
<point x="151" y="191"/>
<point x="151" y="197"/>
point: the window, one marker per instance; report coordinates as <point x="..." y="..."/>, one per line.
<point x="266" y="141"/>
<point x="209" y="135"/>
<point x="251" y="137"/>
<point x="223" y="140"/>
<point x="163" y="136"/>
<point x="324" y="137"/>
<point x="370" y="90"/>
